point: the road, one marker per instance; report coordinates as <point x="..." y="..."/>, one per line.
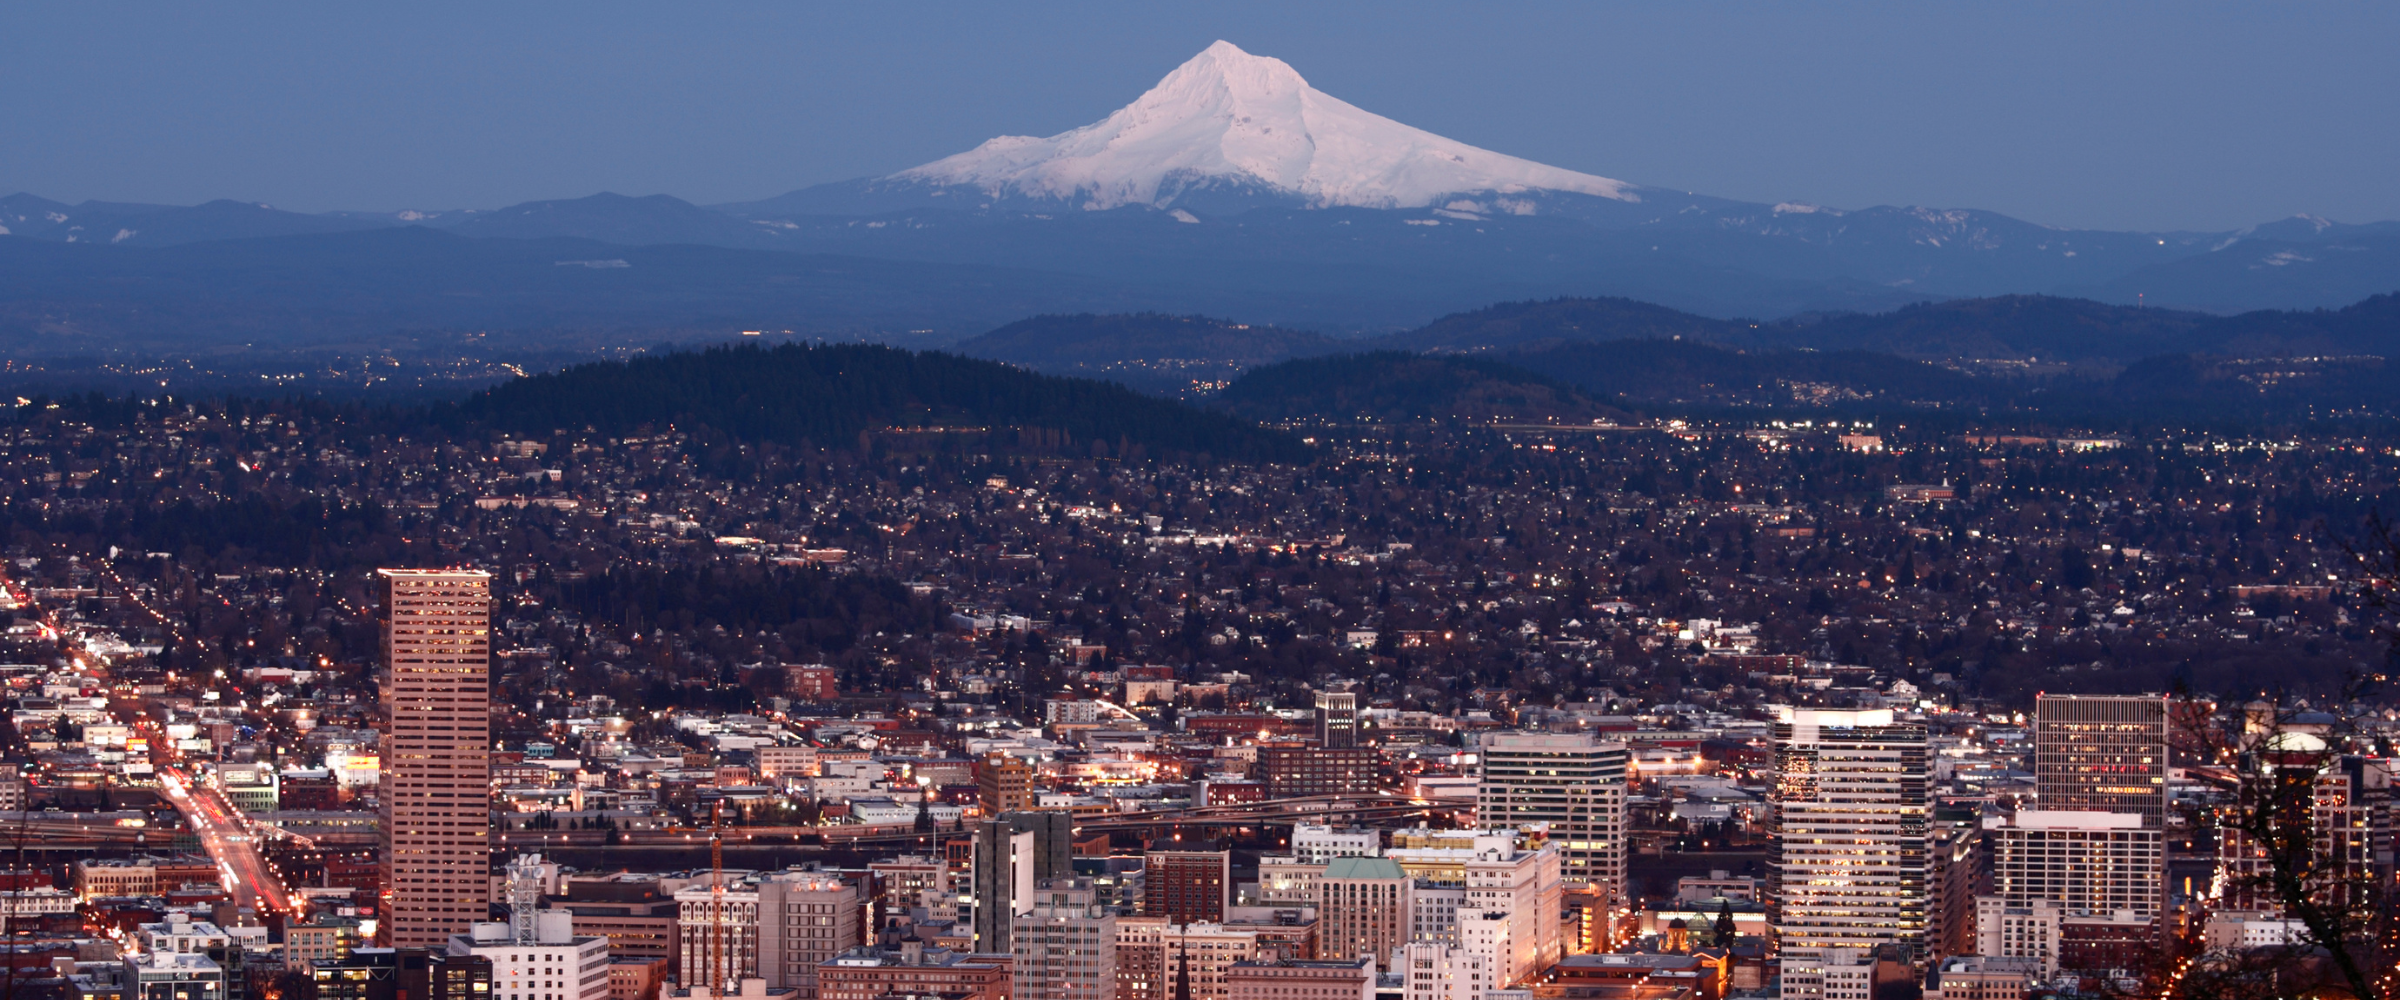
<point x="228" y="840"/>
<point x="222" y="831"/>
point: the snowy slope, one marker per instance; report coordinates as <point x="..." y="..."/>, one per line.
<point x="1231" y="118"/>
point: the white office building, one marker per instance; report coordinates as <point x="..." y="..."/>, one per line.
<point x="2086" y="862"/>
<point x="1569" y="781"/>
<point x="1847" y="864"/>
<point x="1064" y="945"/>
<point x="1318" y="843"/>
<point x="536" y="955"/>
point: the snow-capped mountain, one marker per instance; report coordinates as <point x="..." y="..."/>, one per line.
<point x="1228" y="118"/>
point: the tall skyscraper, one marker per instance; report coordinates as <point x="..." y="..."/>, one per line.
<point x="1847" y="866"/>
<point x="1954" y="876"/>
<point x="1014" y="853"/>
<point x="436" y="789"/>
<point x="1569" y="781"/>
<point x="2103" y="753"/>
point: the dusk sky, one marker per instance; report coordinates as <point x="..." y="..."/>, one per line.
<point x="2151" y="116"/>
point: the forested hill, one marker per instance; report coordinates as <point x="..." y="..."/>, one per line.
<point x="831" y="395"/>
<point x="1156" y="353"/>
<point x="1394" y="386"/>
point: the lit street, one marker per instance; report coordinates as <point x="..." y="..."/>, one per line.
<point x="228" y="841"/>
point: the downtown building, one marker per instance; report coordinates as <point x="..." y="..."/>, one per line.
<point x="1512" y="906"/>
<point x="2102" y="753"/>
<point x="1318" y="843"/>
<point x="2350" y="819"/>
<point x="2086" y="862"/>
<point x="536" y="955"/>
<point x="866" y="973"/>
<point x="717" y="931"/>
<point x="1848" y="861"/>
<point x="2079" y="878"/>
<point x="1297" y="770"/>
<point x="1015" y="853"/>
<point x="1572" y="784"/>
<point x="1337" y="720"/>
<point x="805" y="919"/>
<point x="629" y="910"/>
<point x="1492" y="923"/>
<point x="917" y="882"/>
<point x="1158" y="959"/>
<point x="1296" y="979"/>
<point x="389" y="973"/>
<point x="779" y="929"/>
<point x="436" y="785"/>
<point x="1955" y="876"/>
<point x="1365" y="909"/>
<point x="2073" y="890"/>
<point x="1064" y="947"/>
<point x="1187" y="886"/>
<point x="1005" y="784"/>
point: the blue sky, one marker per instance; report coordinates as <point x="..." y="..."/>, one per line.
<point x="2154" y="116"/>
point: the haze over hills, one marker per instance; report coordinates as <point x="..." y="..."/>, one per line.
<point x="2064" y="359"/>
<point x="2264" y="368"/>
<point x="117" y="223"/>
<point x="1232" y="188"/>
<point x="302" y="291"/>
<point x="1184" y="356"/>
<point x="2013" y="332"/>
<point x="1397" y="387"/>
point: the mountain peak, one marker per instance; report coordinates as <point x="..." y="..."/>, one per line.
<point x="1223" y="69"/>
<point x="1227" y="117"/>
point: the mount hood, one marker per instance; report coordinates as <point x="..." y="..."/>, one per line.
<point x="1230" y="119"/>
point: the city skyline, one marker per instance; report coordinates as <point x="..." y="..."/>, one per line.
<point x="1564" y="501"/>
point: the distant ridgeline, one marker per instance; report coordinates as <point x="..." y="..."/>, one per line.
<point x="840" y="396"/>
<point x="1582" y="358"/>
<point x="2043" y="327"/>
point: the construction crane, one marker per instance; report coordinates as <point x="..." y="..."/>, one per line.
<point x="718" y="967"/>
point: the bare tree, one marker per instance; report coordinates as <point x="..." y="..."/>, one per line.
<point x="2295" y="837"/>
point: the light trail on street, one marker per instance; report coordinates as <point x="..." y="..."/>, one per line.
<point x="222" y="830"/>
<point x="229" y="841"/>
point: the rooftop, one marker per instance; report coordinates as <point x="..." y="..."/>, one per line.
<point x="1364" y="868"/>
